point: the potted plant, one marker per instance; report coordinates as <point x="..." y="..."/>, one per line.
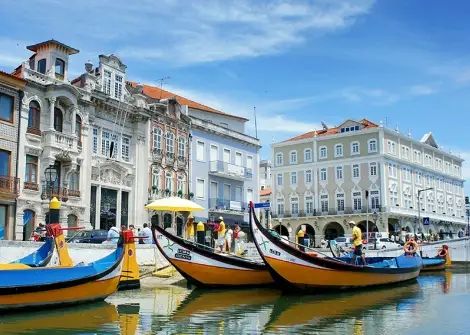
<point x="191" y="195"/>
<point x="155" y="188"/>
<point x="180" y="193"/>
<point x="167" y="191"/>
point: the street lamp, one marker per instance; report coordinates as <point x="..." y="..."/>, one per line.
<point x="419" y="206"/>
<point x="51" y="176"/>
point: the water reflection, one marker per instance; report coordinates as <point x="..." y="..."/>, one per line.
<point x="174" y="309"/>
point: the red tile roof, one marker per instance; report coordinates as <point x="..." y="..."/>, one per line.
<point x="330" y="131"/>
<point x="266" y="191"/>
<point x="158" y="93"/>
<point x="13" y="76"/>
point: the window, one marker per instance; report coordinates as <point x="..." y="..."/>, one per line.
<point x="200" y="151"/>
<point x="170" y="143"/>
<point x="105" y="142"/>
<point x="323" y="152"/>
<point x="6" y="107"/>
<point x="405" y="152"/>
<point x="391" y="147"/>
<point x="157" y="139"/>
<point x="418" y="178"/>
<point x="417" y="157"/>
<point x="393" y="190"/>
<point x="58" y="118"/>
<point x="372" y="145"/>
<point x="169" y="182"/>
<point x="294" y="204"/>
<point x="309" y="205"/>
<point x="357" y="201"/>
<point x="324" y="203"/>
<point x="355" y="171"/>
<point x="5" y="163"/>
<point x="95" y="141"/>
<point x="238" y="159"/>
<point x="249" y="162"/>
<point x="249" y="195"/>
<point x="42" y="66"/>
<point x="59" y="68"/>
<point x="200" y="188"/>
<point x="118" y="87"/>
<point x="293" y="157"/>
<point x="279" y="179"/>
<point x="323" y="174"/>
<point x="355" y="148"/>
<point x="280" y="206"/>
<point x="226" y="156"/>
<point x="107" y="82"/>
<point x="3" y="220"/>
<point x="78" y="128"/>
<point x="340" y="202"/>
<point x="308" y="176"/>
<point x="374" y="200"/>
<point x="339" y="173"/>
<point x="338" y="150"/>
<point x="31" y="169"/>
<point x="406" y="174"/>
<point x="308" y="155"/>
<point x="279" y="159"/>
<point x="114" y="143"/>
<point x="74" y="182"/>
<point x="373" y="169"/>
<point x="293" y="178"/>
<point x="125" y="148"/>
<point x="34" y="116"/>
<point x="155" y="178"/>
<point x="181" y="147"/>
<point x="214" y="153"/>
<point x="392" y="170"/>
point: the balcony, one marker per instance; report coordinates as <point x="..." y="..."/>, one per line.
<point x="182" y="162"/>
<point x="9" y="186"/>
<point x="60" y="140"/>
<point x="155" y="194"/>
<point x="157" y="155"/>
<point x="60" y="193"/>
<point x="229" y="170"/>
<point x="31" y="186"/>
<point x="74" y="193"/>
<point x="34" y="131"/>
<point x="220" y="205"/>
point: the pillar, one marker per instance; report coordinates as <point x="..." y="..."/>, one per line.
<point x="98" y="207"/>
<point x="74" y="117"/>
<point x="118" y="208"/>
<point x="51" y="112"/>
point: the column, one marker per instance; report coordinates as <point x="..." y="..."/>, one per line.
<point x="74" y="117"/>
<point x="51" y="112"/>
<point x="118" y="208"/>
<point x="98" y="207"/>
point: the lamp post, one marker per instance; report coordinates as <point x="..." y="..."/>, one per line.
<point x="54" y="206"/>
<point x="51" y="176"/>
<point x="375" y="217"/>
<point x="419" y="205"/>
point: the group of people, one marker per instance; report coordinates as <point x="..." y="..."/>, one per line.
<point x="144" y="235"/>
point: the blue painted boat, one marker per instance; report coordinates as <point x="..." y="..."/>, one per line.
<point x="40" y="257"/>
<point x="26" y="287"/>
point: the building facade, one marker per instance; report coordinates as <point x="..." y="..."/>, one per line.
<point x="11" y="95"/>
<point x="367" y="173"/>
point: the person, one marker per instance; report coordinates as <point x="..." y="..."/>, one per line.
<point x="323" y="243"/>
<point x="228" y="239"/>
<point x="221" y="235"/>
<point x="201" y="234"/>
<point x="147" y="234"/>
<point x="113" y="235"/>
<point x="357" y="242"/>
<point x="140" y="234"/>
<point x="189" y="230"/>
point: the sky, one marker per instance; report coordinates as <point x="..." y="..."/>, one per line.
<point x="401" y="62"/>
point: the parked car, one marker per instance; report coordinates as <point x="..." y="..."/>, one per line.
<point x="89" y="236"/>
<point x="343" y="242"/>
<point x="382" y="243"/>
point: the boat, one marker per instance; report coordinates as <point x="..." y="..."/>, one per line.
<point x="438" y="263"/>
<point x="40" y="257"/>
<point x="293" y="268"/>
<point x="201" y="266"/>
<point x="32" y="287"/>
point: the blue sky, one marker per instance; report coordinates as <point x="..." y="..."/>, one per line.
<point x="299" y="62"/>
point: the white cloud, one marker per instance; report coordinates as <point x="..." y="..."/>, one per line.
<point x="422" y="90"/>
<point x="375" y="96"/>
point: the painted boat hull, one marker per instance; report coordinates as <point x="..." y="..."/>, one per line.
<point x="434" y="264"/>
<point x="298" y="269"/>
<point x="40" y="257"/>
<point x="203" y="267"/>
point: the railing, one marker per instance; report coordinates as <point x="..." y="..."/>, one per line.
<point x="227" y="205"/>
<point x="35" y="131"/>
<point x="74" y="193"/>
<point x="302" y="213"/>
<point x="154" y="194"/>
<point x="60" y="140"/>
<point x="230" y="170"/>
<point x="60" y="193"/>
<point x="9" y="185"/>
<point x="31" y="186"/>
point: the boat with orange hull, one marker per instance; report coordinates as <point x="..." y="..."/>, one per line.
<point x="203" y="267"/>
<point x="64" y="285"/>
<point x="438" y="263"/>
<point x="292" y="267"/>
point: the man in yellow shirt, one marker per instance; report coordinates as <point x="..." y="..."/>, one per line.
<point x="357" y="242"/>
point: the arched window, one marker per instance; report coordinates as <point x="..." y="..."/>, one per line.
<point x="169" y="182"/>
<point x="74" y="182"/>
<point x="155" y="175"/>
<point x="338" y="150"/>
<point x="29" y="223"/>
<point x="181" y="148"/>
<point x="58" y="119"/>
<point x="157" y="140"/>
<point x="181" y="185"/>
<point x="34" y="118"/>
<point x="42" y="66"/>
<point x="78" y="129"/>
<point x="59" y="68"/>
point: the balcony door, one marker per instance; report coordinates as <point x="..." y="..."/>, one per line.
<point x="213" y="195"/>
<point x="214" y="154"/>
<point x="227" y="192"/>
<point x="5" y="163"/>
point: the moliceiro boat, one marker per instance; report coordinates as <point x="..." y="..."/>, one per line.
<point x="438" y="263"/>
<point x="292" y="267"/>
<point x="22" y="288"/>
<point x="201" y="266"/>
<point x="38" y="258"/>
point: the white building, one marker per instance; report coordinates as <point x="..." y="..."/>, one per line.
<point x="321" y="178"/>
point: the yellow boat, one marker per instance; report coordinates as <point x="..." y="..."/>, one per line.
<point x="203" y="267"/>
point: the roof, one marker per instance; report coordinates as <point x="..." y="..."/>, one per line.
<point x="69" y="49"/>
<point x="12" y="79"/>
<point x="329" y="131"/>
<point x="266" y="191"/>
<point x="158" y="93"/>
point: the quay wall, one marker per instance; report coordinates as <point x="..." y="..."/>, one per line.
<point x="147" y="254"/>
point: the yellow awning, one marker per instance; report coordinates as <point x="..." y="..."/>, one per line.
<point x="174" y="204"/>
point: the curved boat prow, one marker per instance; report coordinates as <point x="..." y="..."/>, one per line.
<point x="130" y="275"/>
<point x="40" y="257"/>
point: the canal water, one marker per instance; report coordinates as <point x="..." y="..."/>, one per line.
<point x="434" y="304"/>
